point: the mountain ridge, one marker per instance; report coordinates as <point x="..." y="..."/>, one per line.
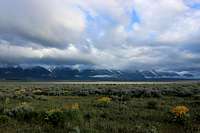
<point x="67" y="73"/>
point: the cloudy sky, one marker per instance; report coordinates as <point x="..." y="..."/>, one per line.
<point x="119" y="34"/>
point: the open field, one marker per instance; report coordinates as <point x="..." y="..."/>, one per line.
<point x="104" y="107"/>
<point x="97" y="82"/>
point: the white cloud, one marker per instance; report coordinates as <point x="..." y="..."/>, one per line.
<point x="186" y="29"/>
<point x="51" y="21"/>
<point x="102" y="33"/>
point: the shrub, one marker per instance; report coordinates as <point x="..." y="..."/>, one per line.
<point x="19" y="92"/>
<point x="40" y="117"/>
<point x="124" y="98"/>
<point x="180" y="114"/>
<point x="184" y="93"/>
<point x="88" y="116"/>
<point x="75" y="130"/>
<point x="103" y="101"/>
<point x="21" y="112"/>
<point x="37" y="92"/>
<point x="104" y="114"/>
<point x="144" y="128"/>
<point x="2" y="96"/>
<point x="4" y="119"/>
<point x="74" y="106"/>
<point x="41" y="98"/>
<point x="146" y="92"/>
<point x="115" y="98"/>
<point x="197" y="115"/>
<point x="55" y="117"/>
<point x="196" y="97"/>
<point x="71" y="112"/>
<point x="152" y="104"/>
<point x="1" y="108"/>
<point x="73" y="116"/>
<point x="66" y="93"/>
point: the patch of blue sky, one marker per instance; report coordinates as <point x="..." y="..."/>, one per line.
<point x="97" y="24"/>
<point x="135" y="18"/>
<point x="195" y="6"/>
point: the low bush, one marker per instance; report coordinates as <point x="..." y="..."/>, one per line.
<point x="74" y="116"/>
<point x="88" y="116"/>
<point x="27" y="97"/>
<point x="180" y="114"/>
<point x="152" y="104"/>
<point x="41" y="98"/>
<point x="37" y="92"/>
<point x="4" y="119"/>
<point x="21" y="112"/>
<point x="73" y="106"/>
<point x="69" y="113"/>
<point x="72" y="112"/>
<point x="196" y="115"/>
<point x="55" y="117"/>
<point x="19" y="92"/>
<point x="151" y="93"/>
<point x="124" y="98"/>
<point x="2" y="96"/>
<point x="2" y="108"/>
<point x="103" y="101"/>
<point x="75" y="130"/>
<point x="196" y="97"/>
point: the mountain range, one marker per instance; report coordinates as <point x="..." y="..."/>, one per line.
<point x="67" y="73"/>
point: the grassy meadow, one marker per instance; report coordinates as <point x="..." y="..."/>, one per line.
<point x="99" y="108"/>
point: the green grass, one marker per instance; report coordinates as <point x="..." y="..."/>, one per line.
<point x="124" y="114"/>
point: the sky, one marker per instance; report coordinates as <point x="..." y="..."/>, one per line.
<point x="117" y="34"/>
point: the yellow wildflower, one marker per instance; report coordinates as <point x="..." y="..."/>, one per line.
<point x="180" y="110"/>
<point x="105" y="100"/>
<point x="54" y="110"/>
<point x="74" y="106"/>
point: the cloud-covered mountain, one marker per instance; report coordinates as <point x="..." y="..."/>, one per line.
<point x="66" y="73"/>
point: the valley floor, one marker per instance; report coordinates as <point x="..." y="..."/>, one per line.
<point x="99" y="108"/>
